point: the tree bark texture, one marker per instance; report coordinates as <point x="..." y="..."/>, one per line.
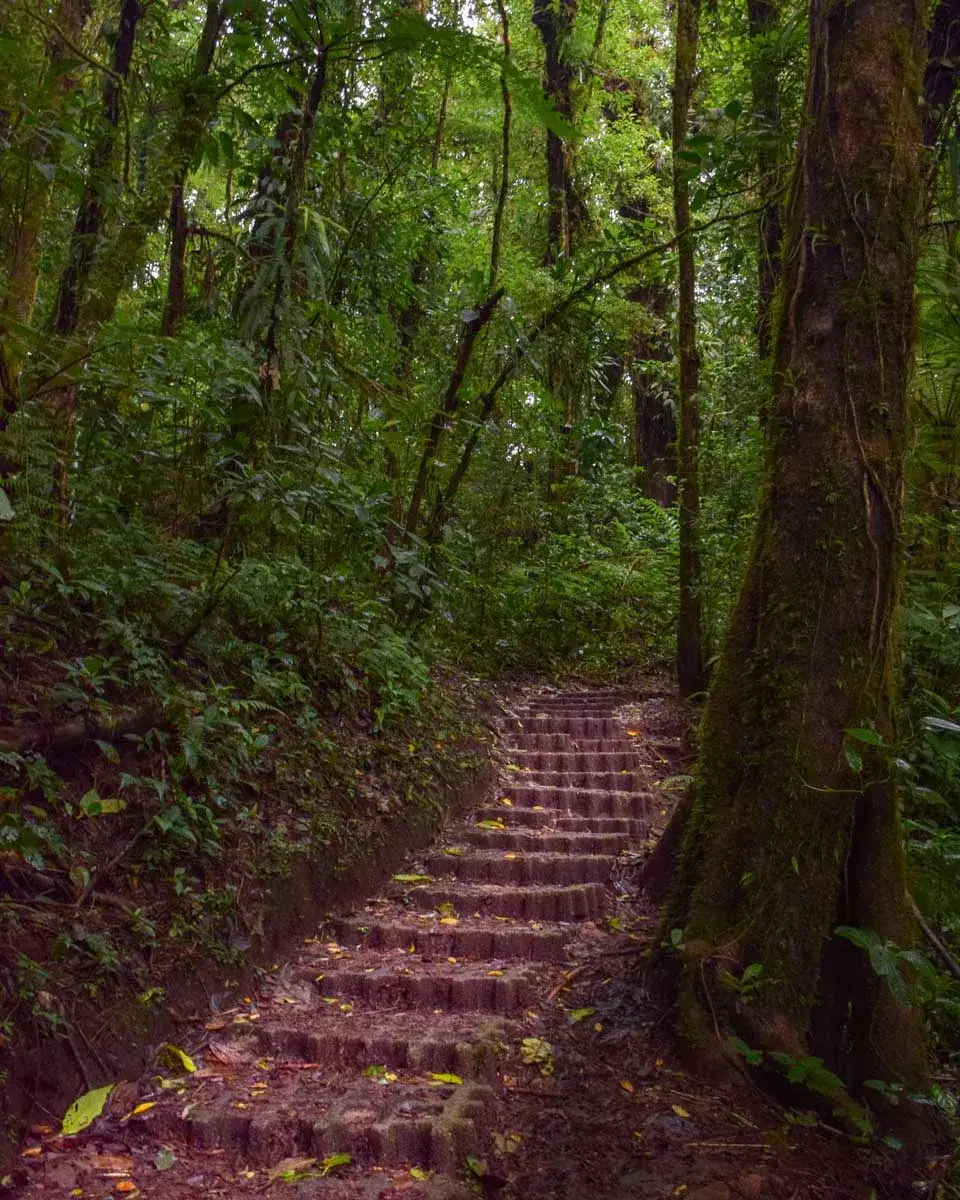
<point x="690" y="669"/>
<point x="786" y="840"/>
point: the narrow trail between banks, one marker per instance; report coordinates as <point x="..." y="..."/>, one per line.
<point x="472" y="1029"/>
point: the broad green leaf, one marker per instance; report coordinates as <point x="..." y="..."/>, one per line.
<point x="85" y="1109"/>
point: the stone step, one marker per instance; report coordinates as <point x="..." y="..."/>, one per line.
<point x="404" y="1041"/>
<point x="594" y="781"/>
<point x="514" y="741"/>
<point x="587" y="803"/>
<point x="434" y="1127"/>
<point x="545" y="840"/>
<point x="575" y="902"/>
<point x="493" y="866"/>
<point x="581" y="712"/>
<point x="611" y="696"/>
<point x="398" y="980"/>
<point x="560" y="821"/>
<point x="574" y="727"/>
<point x="574" y="760"/>
<point x="471" y="938"/>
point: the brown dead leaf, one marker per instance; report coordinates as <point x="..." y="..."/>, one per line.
<point x="110" y="1164"/>
<point x="290" y="1166"/>
<point x="229" y="1054"/>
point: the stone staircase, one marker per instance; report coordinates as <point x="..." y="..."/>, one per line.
<point x="388" y="1038"/>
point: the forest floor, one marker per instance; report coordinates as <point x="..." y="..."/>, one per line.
<point x="480" y="1026"/>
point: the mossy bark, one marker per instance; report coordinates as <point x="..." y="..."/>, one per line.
<point x="785" y="841"/>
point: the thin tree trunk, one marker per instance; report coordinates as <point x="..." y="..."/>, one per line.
<point x="175" y="306"/>
<point x="504" y="189"/>
<point x="690" y="669"/>
<point x="655" y="429"/>
<point x="61" y="401"/>
<point x="447" y="409"/>
<point x="443" y="504"/>
<point x="554" y="20"/>
<point x="763" y="19"/>
<point x="20" y="294"/>
<point x="789" y="835"/>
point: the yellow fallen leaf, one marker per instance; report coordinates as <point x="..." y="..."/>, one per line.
<point x="598" y="1028"/>
<point x="31" y="1152"/>
<point x="449" y="920"/>
<point x="125" y="1187"/>
<point x="511" y="856"/>
<point x="627" y="1086"/>
<point x="494" y="972"/>
<point x="632" y="733"/>
<point x="507" y="801"/>
<point x="453" y="960"/>
<point x="419" y="1173"/>
<point x="681" y="1112"/>
<point x="140" y="1109"/>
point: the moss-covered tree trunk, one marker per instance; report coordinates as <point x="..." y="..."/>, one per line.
<point x="786" y="840"/>
<point x="690" y="671"/>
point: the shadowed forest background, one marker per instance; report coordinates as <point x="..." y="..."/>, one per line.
<point x="358" y="355"/>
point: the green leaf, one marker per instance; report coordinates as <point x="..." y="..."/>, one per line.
<point x="85" y="1109"/>
<point x="580" y="1014"/>
<point x="175" y="1058"/>
<point x="6" y="508"/>
<point x="854" y="760"/>
<point x="95" y="805"/>
<point x="733" y="110"/>
<point x="164" y="1159"/>
<point x="402" y="878"/>
<point x="444" y="1077"/>
<point x="332" y="1161"/>
<point x="476" y="1166"/>
<point x="748" y="1053"/>
<point x="869" y="736"/>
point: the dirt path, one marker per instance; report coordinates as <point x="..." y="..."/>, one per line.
<point x="463" y="1031"/>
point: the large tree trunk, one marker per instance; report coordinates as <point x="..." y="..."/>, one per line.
<point x="789" y="836"/>
<point x="690" y="670"/>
